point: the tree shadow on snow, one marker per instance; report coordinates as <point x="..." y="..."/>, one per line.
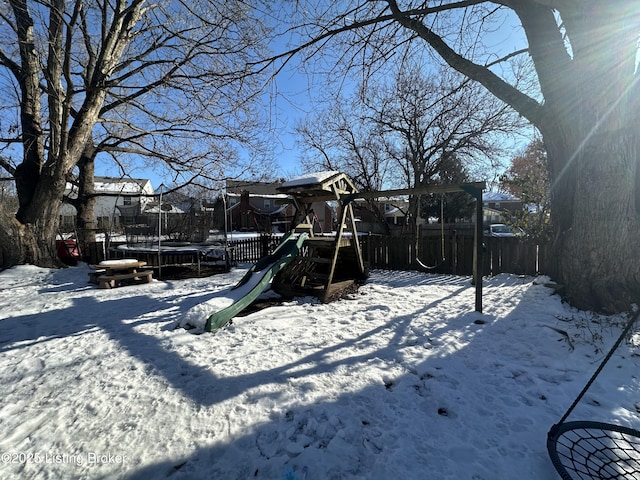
<point x="424" y="420"/>
<point x="382" y="431"/>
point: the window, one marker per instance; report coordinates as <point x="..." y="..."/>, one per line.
<point x="267" y="203"/>
<point x="127" y="200"/>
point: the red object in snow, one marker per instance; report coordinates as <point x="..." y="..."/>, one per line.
<point x="68" y="251"/>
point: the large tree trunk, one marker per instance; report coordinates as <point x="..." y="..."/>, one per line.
<point x="41" y="177"/>
<point x="596" y="247"/>
<point x="32" y="239"/>
<point x="85" y="203"/>
<point x="591" y="136"/>
<point x="10" y="250"/>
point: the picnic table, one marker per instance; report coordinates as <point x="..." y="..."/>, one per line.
<point x="114" y="273"/>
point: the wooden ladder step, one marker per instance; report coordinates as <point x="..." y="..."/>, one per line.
<point x="303" y="227"/>
<point x="327" y="242"/>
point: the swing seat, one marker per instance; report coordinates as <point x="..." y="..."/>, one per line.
<point x="587" y="450"/>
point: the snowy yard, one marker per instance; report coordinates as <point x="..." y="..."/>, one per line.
<point x="401" y="381"/>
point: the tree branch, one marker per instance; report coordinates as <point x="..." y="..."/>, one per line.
<point x="523" y="104"/>
<point x="6" y="164"/>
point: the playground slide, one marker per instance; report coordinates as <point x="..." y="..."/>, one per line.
<point x="245" y="292"/>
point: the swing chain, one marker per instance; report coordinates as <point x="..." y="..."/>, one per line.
<point x="615" y="346"/>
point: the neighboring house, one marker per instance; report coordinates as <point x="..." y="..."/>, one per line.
<point x="257" y="206"/>
<point x="497" y="206"/>
<point x="393" y="210"/>
<point x="257" y="211"/>
<point x="119" y="201"/>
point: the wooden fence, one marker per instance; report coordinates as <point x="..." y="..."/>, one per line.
<point x="454" y="254"/>
<point x="436" y="254"/>
<point x="514" y="255"/>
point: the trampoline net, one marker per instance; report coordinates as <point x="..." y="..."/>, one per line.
<point x="594" y="450"/>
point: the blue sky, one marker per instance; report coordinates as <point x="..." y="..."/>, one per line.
<point x="288" y="101"/>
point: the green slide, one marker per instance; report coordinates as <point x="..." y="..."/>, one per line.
<point x="256" y="280"/>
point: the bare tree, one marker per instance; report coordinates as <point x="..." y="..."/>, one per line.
<point x="405" y="133"/>
<point x="166" y="81"/>
<point x="428" y="121"/>
<point x="339" y="138"/>
<point x="586" y="107"/>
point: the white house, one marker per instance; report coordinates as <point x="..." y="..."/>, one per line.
<point x="117" y="198"/>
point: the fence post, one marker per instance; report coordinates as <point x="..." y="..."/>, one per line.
<point x="264" y="243"/>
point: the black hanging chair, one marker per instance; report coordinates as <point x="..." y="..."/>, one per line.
<point x="586" y="450"/>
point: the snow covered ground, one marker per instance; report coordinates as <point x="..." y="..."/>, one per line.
<point x="403" y="380"/>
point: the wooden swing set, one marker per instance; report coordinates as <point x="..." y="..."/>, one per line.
<point x="330" y="266"/>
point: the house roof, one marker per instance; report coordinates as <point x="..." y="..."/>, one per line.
<point x="277" y="196"/>
<point x="166" y="208"/>
<point x="113" y="185"/>
<point x="119" y="185"/>
<point x="499" y="197"/>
